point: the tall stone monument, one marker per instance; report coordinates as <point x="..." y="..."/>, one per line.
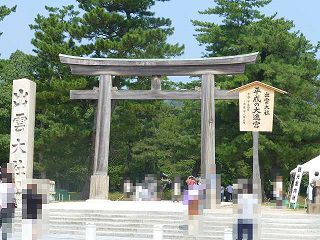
<point x="22" y="131"/>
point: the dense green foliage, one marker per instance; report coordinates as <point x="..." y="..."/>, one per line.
<point x="288" y="61"/>
<point x="5" y="11"/>
<point x="162" y="136"/>
<point x="114" y="29"/>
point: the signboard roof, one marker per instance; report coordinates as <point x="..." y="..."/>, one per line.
<point x="257" y="83"/>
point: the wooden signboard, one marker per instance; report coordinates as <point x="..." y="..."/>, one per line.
<point x="256" y="105"/>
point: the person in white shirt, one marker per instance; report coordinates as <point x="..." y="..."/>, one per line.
<point x="1" y="196"/>
<point x="7" y="200"/>
<point x="222" y="193"/>
<point x="176" y="189"/>
<point x="247" y="204"/>
<point x="278" y="191"/>
<point x="229" y="192"/>
<point x="127" y="188"/>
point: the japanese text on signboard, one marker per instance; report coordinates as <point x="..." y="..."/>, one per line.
<point x="256" y="109"/>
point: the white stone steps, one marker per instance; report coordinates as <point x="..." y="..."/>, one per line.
<point x="139" y="219"/>
<point x="288" y="235"/>
<point x="143" y="228"/>
<point x="146" y="235"/>
<point x="119" y="213"/>
<point x="105" y="233"/>
<point x="139" y="225"/>
<point x="286" y="224"/>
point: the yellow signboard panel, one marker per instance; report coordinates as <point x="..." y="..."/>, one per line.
<point x="256" y="106"/>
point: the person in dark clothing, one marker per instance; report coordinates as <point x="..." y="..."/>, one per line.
<point x="313" y="185"/>
<point x="31" y="202"/>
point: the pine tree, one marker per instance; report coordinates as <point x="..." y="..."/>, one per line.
<point x="104" y="28"/>
<point x="288" y="61"/>
<point x="62" y="126"/>
<point x="223" y="39"/>
<point x="5" y="11"/>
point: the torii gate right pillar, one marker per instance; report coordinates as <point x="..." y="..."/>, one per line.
<point x="208" y="166"/>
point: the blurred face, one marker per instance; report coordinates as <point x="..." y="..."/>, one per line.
<point x="7" y="173"/>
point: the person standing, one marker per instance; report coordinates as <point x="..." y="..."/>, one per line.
<point x="176" y="189"/>
<point x="229" y="192"/>
<point x="194" y="199"/>
<point x="278" y="191"/>
<point x="127" y="189"/>
<point x="32" y="208"/>
<point x="247" y="203"/>
<point x="1" y="196"/>
<point x="222" y="193"/>
<point x="8" y="201"/>
<point x="313" y="185"/>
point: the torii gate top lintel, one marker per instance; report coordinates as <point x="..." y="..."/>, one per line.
<point x="161" y="67"/>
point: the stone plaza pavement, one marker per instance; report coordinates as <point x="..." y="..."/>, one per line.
<point x="124" y="220"/>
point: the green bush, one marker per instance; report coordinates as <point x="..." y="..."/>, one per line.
<point x="75" y="196"/>
<point x="167" y="194"/>
<point x="116" y="196"/>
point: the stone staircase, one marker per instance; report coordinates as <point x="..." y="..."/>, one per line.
<point x="282" y="225"/>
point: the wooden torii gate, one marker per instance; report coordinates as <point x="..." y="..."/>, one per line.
<point x="106" y="68"/>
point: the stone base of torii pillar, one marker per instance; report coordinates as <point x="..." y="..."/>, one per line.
<point x="99" y="187"/>
<point x="212" y="189"/>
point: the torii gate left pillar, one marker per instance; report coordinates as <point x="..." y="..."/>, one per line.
<point x="99" y="183"/>
<point x="106" y="68"/>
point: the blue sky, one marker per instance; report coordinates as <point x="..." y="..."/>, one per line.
<point x="17" y="35"/>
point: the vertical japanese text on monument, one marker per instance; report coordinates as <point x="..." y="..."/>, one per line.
<point x="19" y="123"/>
<point x="22" y="129"/>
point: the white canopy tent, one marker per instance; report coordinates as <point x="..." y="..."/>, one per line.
<point x="309" y="168"/>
